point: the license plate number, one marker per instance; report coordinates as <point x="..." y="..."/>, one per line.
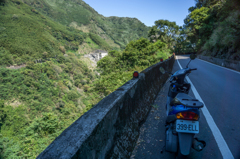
<point x="187" y="126"/>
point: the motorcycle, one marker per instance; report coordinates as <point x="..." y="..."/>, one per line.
<point x="183" y="114"/>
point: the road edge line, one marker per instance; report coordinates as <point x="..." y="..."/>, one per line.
<point x="222" y="145"/>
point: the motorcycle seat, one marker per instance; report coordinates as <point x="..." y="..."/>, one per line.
<point x="186" y="100"/>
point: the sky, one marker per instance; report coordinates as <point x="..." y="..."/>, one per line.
<point x="147" y="11"/>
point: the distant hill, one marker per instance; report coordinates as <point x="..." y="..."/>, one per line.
<point x="114" y="30"/>
<point x="41" y="28"/>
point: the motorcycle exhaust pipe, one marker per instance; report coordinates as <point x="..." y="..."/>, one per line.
<point x="198" y="145"/>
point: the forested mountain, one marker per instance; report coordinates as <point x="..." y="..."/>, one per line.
<point x="213" y="27"/>
<point x="116" y="31"/>
<point x="79" y="25"/>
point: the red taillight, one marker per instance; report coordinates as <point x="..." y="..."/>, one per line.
<point x="135" y="74"/>
<point x="187" y="116"/>
<point x="161" y="60"/>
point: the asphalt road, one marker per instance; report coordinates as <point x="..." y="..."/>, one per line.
<point x="219" y="88"/>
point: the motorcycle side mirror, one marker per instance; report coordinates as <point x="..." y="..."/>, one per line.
<point x="162" y="70"/>
<point x="192" y="56"/>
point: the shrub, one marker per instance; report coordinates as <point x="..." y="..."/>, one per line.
<point x="86" y="88"/>
<point x="72" y="95"/>
<point x="5" y="57"/>
<point x="77" y="82"/>
<point x="83" y="81"/>
<point x="114" y="53"/>
<point x="30" y="65"/>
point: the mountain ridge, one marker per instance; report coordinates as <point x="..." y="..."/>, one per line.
<point x="66" y="12"/>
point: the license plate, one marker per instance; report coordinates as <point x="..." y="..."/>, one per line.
<point x="187" y="126"/>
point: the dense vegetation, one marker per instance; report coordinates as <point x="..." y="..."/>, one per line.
<point x="165" y="31"/>
<point x="26" y="35"/>
<point x="173" y="35"/>
<point x="117" y="31"/>
<point x="39" y="101"/>
<point x="99" y="41"/>
<point x="118" y="67"/>
<point x="213" y="28"/>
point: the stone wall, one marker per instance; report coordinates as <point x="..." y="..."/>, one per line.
<point x="111" y="128"/>
<point x="222" y="62"/>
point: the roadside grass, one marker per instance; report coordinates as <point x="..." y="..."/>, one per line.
<point x="155" y="106"/>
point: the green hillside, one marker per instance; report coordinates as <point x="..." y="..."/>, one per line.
<point x="28" y="35"/>
<point x="39" y="101"/>
<point x="116" y="31"/>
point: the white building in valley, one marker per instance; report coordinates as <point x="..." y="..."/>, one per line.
<point x="97" y="55"/>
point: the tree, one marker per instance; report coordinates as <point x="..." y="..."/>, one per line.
<point x="194" y="22"/>
<point x="203" y="20"/>
<point x="165" y="31"/>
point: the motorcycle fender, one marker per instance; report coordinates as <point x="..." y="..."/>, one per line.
<point x="171" y="140"/>
<point x="185" y="142"/>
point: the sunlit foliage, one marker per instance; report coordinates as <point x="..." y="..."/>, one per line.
<point x="212" y="26"/>
<point x="117" y="68"/>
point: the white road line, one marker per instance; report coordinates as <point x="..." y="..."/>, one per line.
<point x="222" y="145"/>
<point x="219" y="66"/>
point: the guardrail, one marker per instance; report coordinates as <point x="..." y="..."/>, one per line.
<point x="111" y="128"/>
